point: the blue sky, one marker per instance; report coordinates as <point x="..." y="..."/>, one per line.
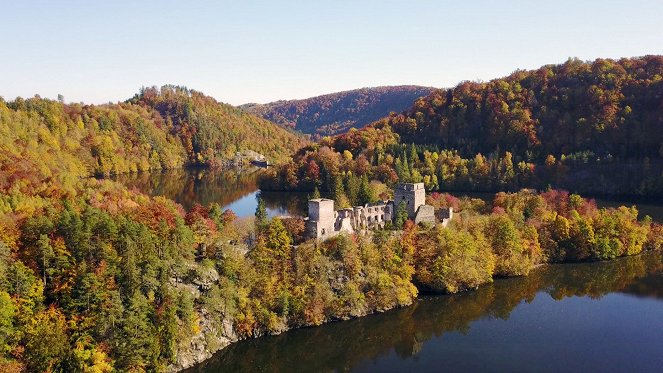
<point x="260" y="51"/>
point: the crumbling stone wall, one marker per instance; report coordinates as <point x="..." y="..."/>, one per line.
<point x="413" y="194"/>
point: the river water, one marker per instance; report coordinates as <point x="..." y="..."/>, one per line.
<point x="604" y="317"/>
<point x="599" y="317"/>
<point x="237" y="190"/>
<point x="233" y="189"/>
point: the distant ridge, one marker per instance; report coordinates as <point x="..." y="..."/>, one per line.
<point x="336" y="113"/>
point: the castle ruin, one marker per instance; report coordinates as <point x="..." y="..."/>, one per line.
<point x="324" y="221"/>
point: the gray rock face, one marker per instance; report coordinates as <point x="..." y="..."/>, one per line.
<point x="210" y="338"/>
<point x="204" y="344"/>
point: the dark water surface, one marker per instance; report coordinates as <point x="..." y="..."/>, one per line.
<point x="603" y="317"/>
<point x="599" y="317"/>
<point x="236" y="189"/>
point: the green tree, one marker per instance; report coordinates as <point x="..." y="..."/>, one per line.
<point x="279" y="244"/>
<point x="46" y="341"/>
<point x="365" y="194"/>
<point x="401" y="215"/>
<point x="352" y="185"/>
<point x="507" y="244"/>
<point x="460" y="260"/>
<point x="261" y="214"/>
<point x="7" y="312"/>
<point x="136" y="343"/>
<point x="316" y="192"/>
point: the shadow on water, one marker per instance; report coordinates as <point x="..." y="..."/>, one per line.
<point x="479" y="330"/>
<point x="235" y="189"/>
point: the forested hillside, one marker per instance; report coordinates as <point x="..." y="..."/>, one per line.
<point x="95" y="277"/>
<point x="338" y="112"/>
<point x="157" y="129"/>
<point x="211" y="131"/>
<point x="604" y="108"/>
<point x="591" y="127"/>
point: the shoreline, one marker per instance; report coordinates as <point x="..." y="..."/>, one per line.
<point x="422" y="295"/>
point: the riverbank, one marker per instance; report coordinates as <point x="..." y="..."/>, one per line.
<point x="141" y="276"/>
<point x="351" y="276"/>
<point x="359" y="343"/>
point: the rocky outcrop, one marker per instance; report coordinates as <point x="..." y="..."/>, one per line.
<point x="211" y="336"/>
<point x="204" y="344"/>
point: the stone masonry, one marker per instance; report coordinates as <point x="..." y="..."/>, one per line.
<point x="324" y="221"/>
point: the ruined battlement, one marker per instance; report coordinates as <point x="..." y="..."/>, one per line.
<point x="410" y="186"/>
<point x="320" y="207"/>
<point x="325" y="222"/>
<point x="412" y="195"/>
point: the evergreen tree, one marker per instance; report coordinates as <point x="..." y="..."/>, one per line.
<point x="413" y="157"/>
<point x="138" y="343"/>
<point x="316" y="192"/>
<point x="352" y="184"/>
<point x="401" y="215"/>
<point x="338" y="193"/>
<point x="365" y="194"/>
<point x="261" y="214"/>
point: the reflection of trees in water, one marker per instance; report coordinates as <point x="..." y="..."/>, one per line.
<point x="289" y="202"/>
<point x="204" y="186"/>
<point x="190" y="186"/>
<point x="343" y="345"/>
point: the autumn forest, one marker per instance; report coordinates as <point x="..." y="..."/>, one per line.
<point x="99" y="277"/>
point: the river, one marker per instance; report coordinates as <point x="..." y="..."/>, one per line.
<point x="236" y="189"/>
<point x="233" y="189"/>
<point x="602" y="317"/>
<point x="605" y="316"/>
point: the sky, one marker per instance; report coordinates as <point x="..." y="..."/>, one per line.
<point x="260" y="51"/>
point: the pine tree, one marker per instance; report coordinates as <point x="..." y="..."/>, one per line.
<point x="338" y="192"/>
<point x="352" y="185"/>
<point x="316" y="192"/>
<point x="407" y="173"/>
<point x="137" y="334"/>
<point x="365" y="194"/>
<point x="413" y="156"/>
<point x="261" y="214"/>
<point x="401" y="215"/>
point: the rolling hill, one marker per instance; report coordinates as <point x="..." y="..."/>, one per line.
<point x="589" y="127"/>
<point x="50" y="144"/>
<point x="338" y="112"/>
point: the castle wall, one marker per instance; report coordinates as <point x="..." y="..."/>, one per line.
<point x="323" y="222"/>
<point x="321" y="218"/>
<point x="425" y="214"/>
<point x="321" y="209"/>
<point x="414" y="195"/>
<point x="373" y="215"/>
<point x="446" y="215"/>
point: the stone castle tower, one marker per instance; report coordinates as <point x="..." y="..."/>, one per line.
<point x="413" y="194"/>
<point x="322" y="217"/>
<point x="324" y="222"/>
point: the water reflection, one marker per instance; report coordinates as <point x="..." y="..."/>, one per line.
<point x="559" y="309"/>
<point x="235" y="189"/>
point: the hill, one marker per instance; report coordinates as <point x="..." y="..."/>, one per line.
<point x="44" y="140"/>
<point x="592" y="127"/>
<point x="605" y="108"/>
<point x="212" y="131"/>
<point x="338" y="112"/>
